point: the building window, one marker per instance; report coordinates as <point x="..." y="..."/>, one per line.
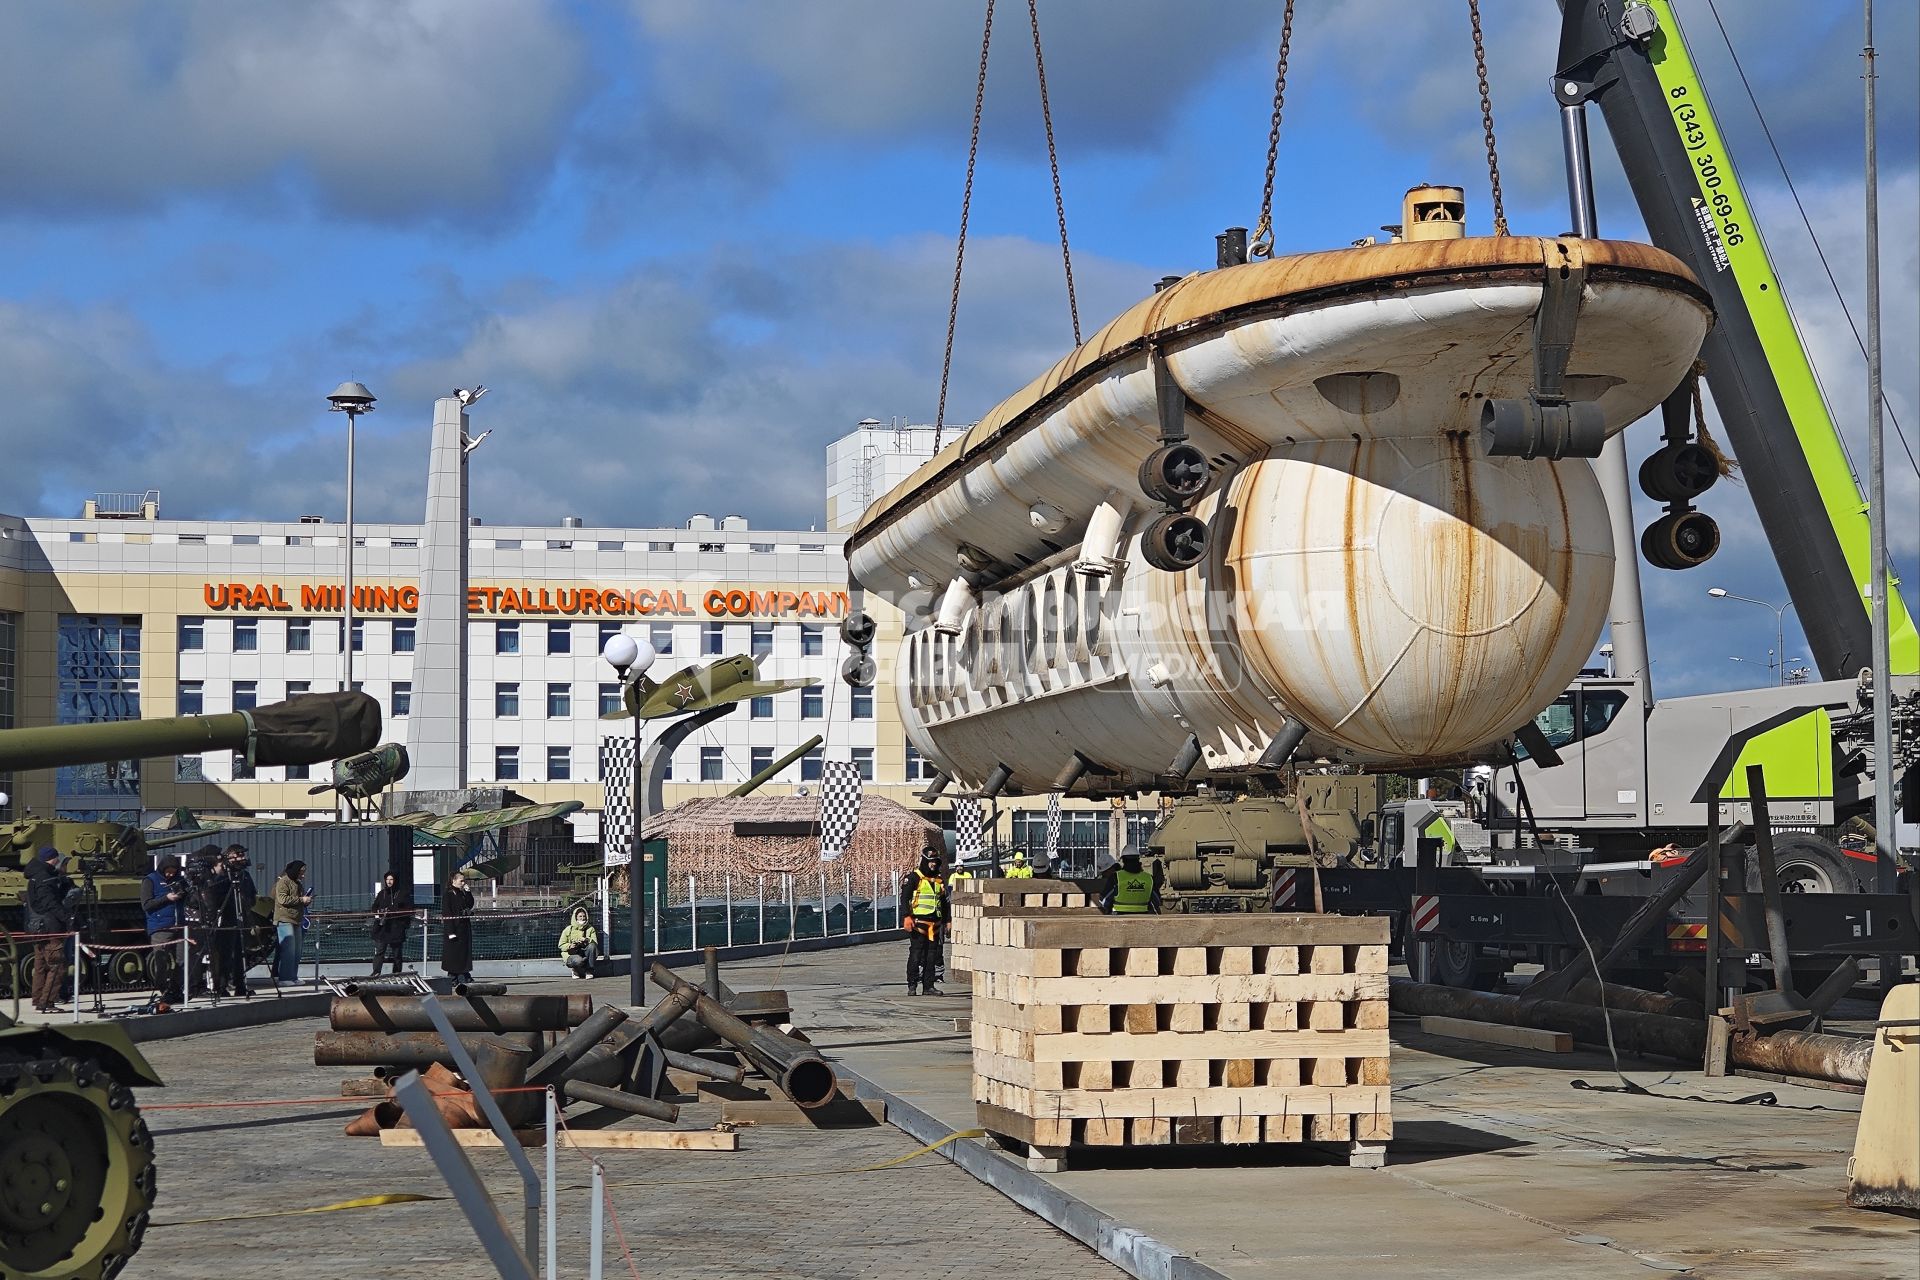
<point x="811" y="763"/>
<point x="402" y="698"/>
<point x="559" y="764"/>
<point x="506" y="637"/>
<point x="193" y="698"/>
<point x="404" y="634"/>
<point x="918" y="768"/>
<point x="610" y="544"/>
<point x="506" y="699"/>
<point x="300" y="635"/>
<point x="299" y="772"/>
<point x="863" y="763"/>
<point x="761" y="639"/>
<point x="660" y="636"/>
<point x="189" y="769"/>
<point x="559" y="637"/>
<point x="506" y="764"/>
<point x="359" y="634"/>
<point x="659" y="546"/>
<point x="609" y="699"/>
<point x="760" y="758"/>
<point x="242" y="767"/>
<point x="813" y="703"/>
<point x="713" y="639"/>
<point x="709" y="764"/>
<point x="666" y="774"/>
<point x="297" y="687"/>
<point x="863" y="702"/>
<point x="761" y="708"/>
<point x="559" y="700"/>
<point x="813" y="640"/>
<point x="608" y="630"/>
<point x="246" y="695"/>
<point x="193" y="633"/>
<point x="246" y="635"/>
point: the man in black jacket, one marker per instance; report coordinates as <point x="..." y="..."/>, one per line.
<point x="231" y="894"/>
<point x="49" y="912"/>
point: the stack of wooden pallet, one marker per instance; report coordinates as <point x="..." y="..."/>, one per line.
<point x="1106" y="1031"/>
<point x="975" y="899"/>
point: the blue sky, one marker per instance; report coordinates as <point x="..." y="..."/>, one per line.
<point x="687" y="242"/>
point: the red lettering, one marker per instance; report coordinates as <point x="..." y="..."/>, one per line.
<point x="716" y="601"/>
<point x="409" y="599"/>
<point x="643" y="601"/>
<point x="613" y="602"/>
<point x="737" y="603"/>
<point x="215" y="594"/>
<point x="589" y="600"/>
<point x="279" y="601"/>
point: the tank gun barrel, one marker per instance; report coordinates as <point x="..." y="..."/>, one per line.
<point x="303" y="730"/>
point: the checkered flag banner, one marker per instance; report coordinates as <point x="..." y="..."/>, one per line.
<point x="839" y="807"/>
<point x="966" y="828"/>
<point x="617" y="767"/>
<point x="1053" y="827"/>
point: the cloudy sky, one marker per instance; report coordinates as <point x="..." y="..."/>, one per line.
<point x="688" y="242"/>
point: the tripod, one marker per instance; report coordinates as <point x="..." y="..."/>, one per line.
<point x="83" y="925"/>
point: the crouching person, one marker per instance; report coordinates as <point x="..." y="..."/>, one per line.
<point x="580" y="944"/>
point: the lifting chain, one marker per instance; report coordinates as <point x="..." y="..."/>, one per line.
<point x="1486" y="119"/>
<point x="1262" y="244"/>
<point x="1053" y="161"/>
<point x="966" y="204"/>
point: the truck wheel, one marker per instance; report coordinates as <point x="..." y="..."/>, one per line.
<point x="1446" y="963"/>
<point x="1804" y="863"/>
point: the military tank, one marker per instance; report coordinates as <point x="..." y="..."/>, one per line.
<point x="77" y="1171"/>
<point x="1218" y="853"/>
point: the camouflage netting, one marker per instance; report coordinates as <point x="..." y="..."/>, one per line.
<point x="702" y="841"/>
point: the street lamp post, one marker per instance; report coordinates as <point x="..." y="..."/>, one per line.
<point x="352" y="399"/>
<point x="630" y="658"/>
<point x="1779" y="627"/>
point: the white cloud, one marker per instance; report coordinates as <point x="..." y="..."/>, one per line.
<point x="447" y="108"/>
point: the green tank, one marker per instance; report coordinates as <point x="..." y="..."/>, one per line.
<point x="1216" y="854"/>
<point x="76" y="1164"/>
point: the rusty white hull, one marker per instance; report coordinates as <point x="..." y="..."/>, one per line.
<point x="1371" y="572"/>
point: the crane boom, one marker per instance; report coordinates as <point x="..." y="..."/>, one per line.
<point x="1763" y="383"/>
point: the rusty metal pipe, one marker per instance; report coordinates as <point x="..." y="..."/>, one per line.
<point x="601" y="1061"/>
<point x="1794" y="1053"/>
<point x="802" y="1074"/>
<point x="404" y="1048"/>
<point x="582" y="1038"/>
<point x="370" y="1012"/>
<point x="479" y="989"/>
<point x="602" y="1095"/>
<point x="1634" y="1000"/>
<point x="704" y="1067"/>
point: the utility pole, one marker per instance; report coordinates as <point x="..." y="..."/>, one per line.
<point x="1883" y="814"/>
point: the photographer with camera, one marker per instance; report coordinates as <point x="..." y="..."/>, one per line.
<point x="50" y="895"/>
<point x="163" y="896"/>
<point x="231" y="894"/>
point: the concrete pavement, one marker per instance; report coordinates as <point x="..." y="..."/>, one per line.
<point x="1500" y="1167"/>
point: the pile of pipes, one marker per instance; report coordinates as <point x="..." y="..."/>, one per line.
<point x="520" y="1046"/>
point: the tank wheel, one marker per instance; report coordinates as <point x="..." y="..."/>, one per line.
<point x="76" y="1171"/>
<point x="126" y="969"/>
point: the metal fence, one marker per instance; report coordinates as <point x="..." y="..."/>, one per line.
<point x="713" y="911"/>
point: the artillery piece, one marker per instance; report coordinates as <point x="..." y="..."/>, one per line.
<point x="76" y="1165"/>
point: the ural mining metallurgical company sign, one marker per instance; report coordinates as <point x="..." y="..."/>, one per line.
<point x="534" y="600"/>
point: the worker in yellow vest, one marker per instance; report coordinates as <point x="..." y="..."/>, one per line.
<point x="1021" y="869"/>
<point x="924" y="913"/>
<point x="1128" y="888"/>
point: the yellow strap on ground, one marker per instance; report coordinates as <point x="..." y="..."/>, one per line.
<point x="364" y="1202"/>
<point x="956" y="1136"/>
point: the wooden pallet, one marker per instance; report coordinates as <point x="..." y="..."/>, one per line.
<point x="977" y="899"/>
<point x="1100" y="1031"/>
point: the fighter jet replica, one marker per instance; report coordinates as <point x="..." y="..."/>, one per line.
<point x="698" y="688"/>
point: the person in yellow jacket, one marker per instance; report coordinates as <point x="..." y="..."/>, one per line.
<point x="924" y="914"/>
<point x="1021" y="868"/>
<point x="1128" y="888"/>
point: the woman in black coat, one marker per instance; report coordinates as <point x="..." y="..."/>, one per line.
<point x="456" y="929"/>
<point x="392" y="913"/>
